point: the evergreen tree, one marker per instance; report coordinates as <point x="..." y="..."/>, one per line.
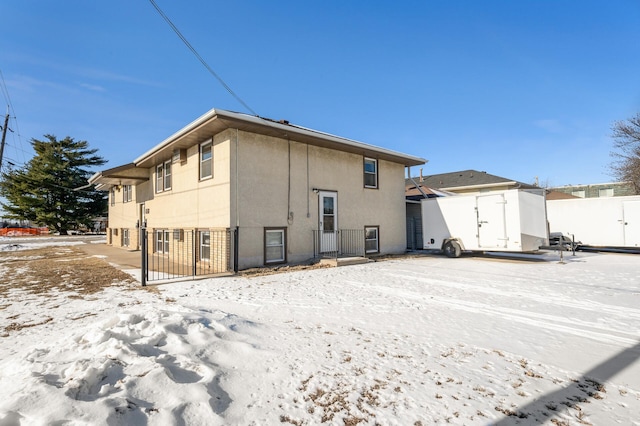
<point x="43" y="190"/>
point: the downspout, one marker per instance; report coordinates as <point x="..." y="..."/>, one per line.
<point x="289" y="212"/>
<point x="236" y="235"/>
<point x="308" y="211"/>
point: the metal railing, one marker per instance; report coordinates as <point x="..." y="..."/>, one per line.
<point x="339" y="243"/>
<point x="179" y="253"/>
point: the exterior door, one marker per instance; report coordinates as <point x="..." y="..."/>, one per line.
<point x="328" y="220"/>
<point x="631" y="223"/>
<point x="491" y="221"/>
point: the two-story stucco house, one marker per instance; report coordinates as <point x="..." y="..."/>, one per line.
<point x="285" y="192"/>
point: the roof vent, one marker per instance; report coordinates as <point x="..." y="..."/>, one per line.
<point x="283" y="122"/>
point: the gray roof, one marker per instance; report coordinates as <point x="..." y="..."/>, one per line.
<point x="466" y="179"/>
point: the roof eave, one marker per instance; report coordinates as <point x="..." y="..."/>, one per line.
<point x="127" y="174"/>
<point x="481" y="186"/>
<point x="215" y="121"/>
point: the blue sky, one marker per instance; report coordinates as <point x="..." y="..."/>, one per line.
<point x="520" y="89"/>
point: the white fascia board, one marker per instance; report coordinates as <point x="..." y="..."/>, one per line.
<point x="284" y="128"/>
<point x="484" y="185"/>
<point x="188" y="128"/>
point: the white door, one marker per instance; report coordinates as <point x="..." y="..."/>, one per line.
<point x="631" y="218"/>
<point x="328" y="220"/>
<point x="491" y="221"/>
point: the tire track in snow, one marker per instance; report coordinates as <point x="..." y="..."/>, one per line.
<point x="535" y="297"/>
<point x="549" y="322"/>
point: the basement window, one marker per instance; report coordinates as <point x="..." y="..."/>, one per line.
<point x="205" y="246"/>
<point x="371" y="240"/>
<point x="275" y="245"/>
<point x="162" y="241"/>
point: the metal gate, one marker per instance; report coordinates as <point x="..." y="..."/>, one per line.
<point x="346" y="243"/>
<point x="173" y="254"/>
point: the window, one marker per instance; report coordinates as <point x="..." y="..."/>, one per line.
<point x="206" y="160"/>
<point x="371" y="242"/>
<point x="113" y="196"/>
<point x="159" y="177"/>
<point x="125" y="237"/>
<point x="274" y="245"/>
<point x="605" y="192"/>
<point x="163" y="176"/>
<point x="370" y="173"/>
<point x="167" y="175"/>
<point x="205" y="246"/>
<point x="127" y="193"/>
<point x="162" y="241"/>
<point x="580" y="193"/>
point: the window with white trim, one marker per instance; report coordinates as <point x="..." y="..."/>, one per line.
<point x="125" y="238"/>
<point x="206" y="160"/>
<point x="371" y="239"/>
<point x="113" y="196"/>
<point x="163" y="176"/>
<point x="370" y="173"/>
<point x="162" y="241"/>
<point x="275" y="245"/>
<point x="127" y="191"/>
<point x="205" y="246"/>
<point x="580" y="193"/>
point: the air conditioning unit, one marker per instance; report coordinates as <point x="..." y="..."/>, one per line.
<point x="179" y="155"/>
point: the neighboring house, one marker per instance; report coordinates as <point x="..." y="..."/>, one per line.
<point x="466" y="182"/>
<point x="611" y="189"/>
<point x="556" y="195"/>
<point x="287" y="193"/>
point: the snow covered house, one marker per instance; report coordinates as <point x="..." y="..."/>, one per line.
<point x="256" y="192"/>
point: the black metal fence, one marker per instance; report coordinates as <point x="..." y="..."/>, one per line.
<point x="170" y="254"/>
<point x="340" y="243"/>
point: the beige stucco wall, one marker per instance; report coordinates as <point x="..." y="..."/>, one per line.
<point x="122" y="216"/>
<point x="191" y="202"/>
<point x="275" y="189"/>
<point x="263" y="181"/>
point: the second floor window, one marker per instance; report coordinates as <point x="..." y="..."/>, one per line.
<point x="163" y="176"/>
<point x="370" y="173"/>
<point x="206" y="160"/>
<point x="127" y="192"/>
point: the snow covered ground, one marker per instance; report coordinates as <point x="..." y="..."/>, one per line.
<point x="415" y="341"/>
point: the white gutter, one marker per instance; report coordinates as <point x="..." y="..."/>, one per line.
<point x="185" y="130"/>
<point x="484" y="185"/>
<point x="284" y="128"/>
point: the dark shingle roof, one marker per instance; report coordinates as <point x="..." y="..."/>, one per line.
<point x="464" y="178"/>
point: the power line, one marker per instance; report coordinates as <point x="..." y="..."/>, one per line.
<point x="17" y="133"/>
<point x="197" y="55"/>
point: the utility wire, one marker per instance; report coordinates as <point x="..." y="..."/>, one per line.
<point x="17" y="133"/>
<point x="202" y="61"/>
